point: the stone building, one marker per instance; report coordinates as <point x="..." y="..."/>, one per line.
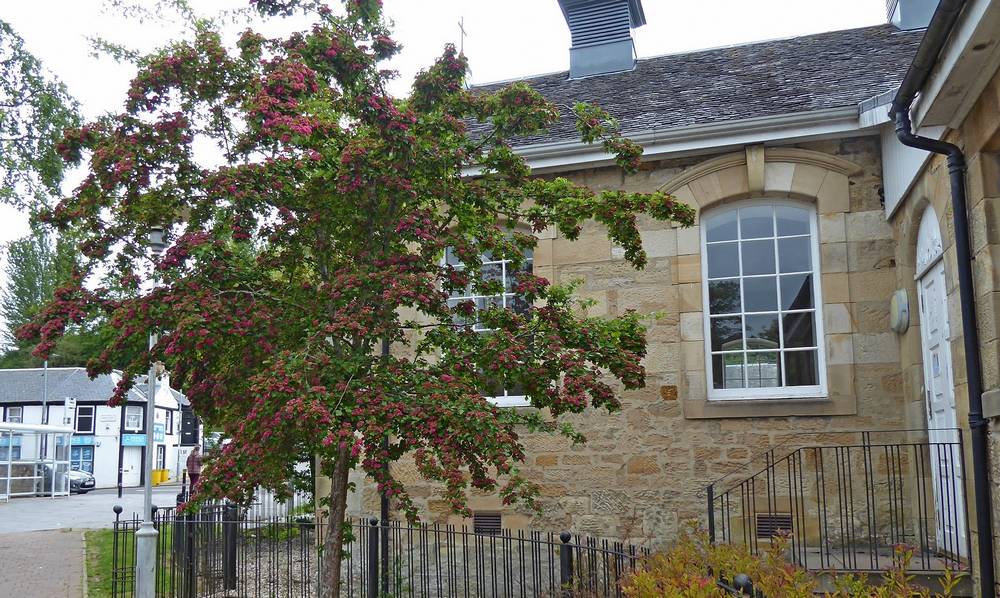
<point x="809" y="324"/>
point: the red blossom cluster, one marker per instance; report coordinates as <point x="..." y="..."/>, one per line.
<point x="322" y="235"/>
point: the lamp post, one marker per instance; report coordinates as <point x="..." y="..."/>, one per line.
<point x="44" y="449"/>
<point x="145" y="536"/>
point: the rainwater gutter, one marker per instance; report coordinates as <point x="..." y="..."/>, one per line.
<point x="934" y="40"/>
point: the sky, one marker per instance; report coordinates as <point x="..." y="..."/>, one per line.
<point x="505" y="39"/>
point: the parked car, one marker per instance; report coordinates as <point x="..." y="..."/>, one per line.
<point x="80" y="482"/>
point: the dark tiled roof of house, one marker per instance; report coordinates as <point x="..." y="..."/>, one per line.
<point x="26" y="386"/>
<point x="802" y="74"/>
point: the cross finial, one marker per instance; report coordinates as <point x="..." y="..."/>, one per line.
<point x="461" y="29"/>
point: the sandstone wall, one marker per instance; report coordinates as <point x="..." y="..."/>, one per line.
<point x="979" y="137"/>
<point x="644" y="470"/>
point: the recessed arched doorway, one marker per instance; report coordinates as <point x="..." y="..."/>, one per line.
<point x="939" y="388"/>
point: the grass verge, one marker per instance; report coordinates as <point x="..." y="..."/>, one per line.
<point x="99" y="562"/>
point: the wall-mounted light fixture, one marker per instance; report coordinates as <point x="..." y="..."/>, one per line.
<point x="899" y="311"/>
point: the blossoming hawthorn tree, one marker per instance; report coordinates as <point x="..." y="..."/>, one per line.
<point x="322" y="234"/>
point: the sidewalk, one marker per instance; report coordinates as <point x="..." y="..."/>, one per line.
<point x="88" y="511"/>
<point x="48" y="563"/>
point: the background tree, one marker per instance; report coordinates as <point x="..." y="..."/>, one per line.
<point x="36" y="266"/>
<point x="35" y="110"/>
<point x="323" y="232"/>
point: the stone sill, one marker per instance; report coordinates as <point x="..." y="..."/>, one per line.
<point x="826" y="406"/>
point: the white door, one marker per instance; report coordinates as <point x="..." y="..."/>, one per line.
<point x="942" y="420"/>
<point x="131" y="466"/>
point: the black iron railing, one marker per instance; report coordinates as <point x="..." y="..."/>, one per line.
<point x="221" y="551"/>
<point x="853" y="506"/>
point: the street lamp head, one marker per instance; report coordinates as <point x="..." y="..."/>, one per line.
<point x="157" y="239"/>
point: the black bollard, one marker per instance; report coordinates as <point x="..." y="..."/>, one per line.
<point x="229" y="529"/>
<point x="566" y="564"/>
<point x="743" y="584"/>
<point x="373" y="568"/>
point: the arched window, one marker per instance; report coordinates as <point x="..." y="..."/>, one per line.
<point x="763" y="324"/>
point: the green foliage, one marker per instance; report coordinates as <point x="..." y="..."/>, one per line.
<point x="690" y="570"/>
<point x="35" y="109"/>
<point x="100" y="562"/>
<point x="324" y="231"/>
<point x="277" y="531"/>
<point x="36" y="266"/>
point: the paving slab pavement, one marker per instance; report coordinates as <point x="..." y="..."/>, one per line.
<point x="79" y="511"/>
<point x="42" y="564"/>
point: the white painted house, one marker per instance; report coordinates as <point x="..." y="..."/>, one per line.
<point x="105" y="438"/>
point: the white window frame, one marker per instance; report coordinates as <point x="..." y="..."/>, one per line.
<point x="20" y="415"/>
<point x="93" y="418"/>
<point x="133" y="408"/>
<point x="818" y="391"/>
<point x="168" y="422"/>
<point x="506" y="399"/>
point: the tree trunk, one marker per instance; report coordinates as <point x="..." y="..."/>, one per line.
<point x="333" y="544"/>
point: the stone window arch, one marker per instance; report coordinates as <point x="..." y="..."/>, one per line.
<point x="818" y="181"/>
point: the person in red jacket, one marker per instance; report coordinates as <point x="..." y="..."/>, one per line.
<point x="194" y="465"/>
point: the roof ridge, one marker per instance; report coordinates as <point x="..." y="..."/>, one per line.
<point x="892" y="30"/>
<point x="777" y="39"/>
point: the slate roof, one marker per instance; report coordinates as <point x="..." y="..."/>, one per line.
<point x="802" y="74"/>
<point x="26" y="386"/>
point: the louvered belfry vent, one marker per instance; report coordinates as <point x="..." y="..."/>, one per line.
<point x="486" y="523"/>
<point x="602" y="35"/>
<point x="769" y="525"/>
<point x="598" y="23"/>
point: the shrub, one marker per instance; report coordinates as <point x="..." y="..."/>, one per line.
<point x="692" y="567"/>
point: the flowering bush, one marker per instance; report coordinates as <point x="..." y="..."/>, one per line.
<point x="317" y="231"/>
<point x="692" y="567"/>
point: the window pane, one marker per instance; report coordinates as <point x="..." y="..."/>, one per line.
<point x="518" y="304"/>
<point x="800" y="368"/>
<point x="724" y="296"/>
<point x="723" y="260"/>
<point x="510" y="281"/>
<point x="451" y="258"/>
<point x="758" y="257"/>
<point x="798" y="330"/>
<point x="726" y="334"/>
<point x="457" y="318"/>
<point x="794" y="254"/>
<point x="796" y="291"/>
<point x="492" y="272"/>
<point x="760" y="294"/>
<point x="762" y="331"/>
<point x="727" y="370"/>
<point x="721" y="227"/>
<point x="756" y="222"/>
<point x="791" y="221"/>
<point x="495" y="387"/>
<point x="763" y="370"/>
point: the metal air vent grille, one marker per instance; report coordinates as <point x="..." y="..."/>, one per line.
<point x="486" y="523"/>
<point x="770" y="525"/>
